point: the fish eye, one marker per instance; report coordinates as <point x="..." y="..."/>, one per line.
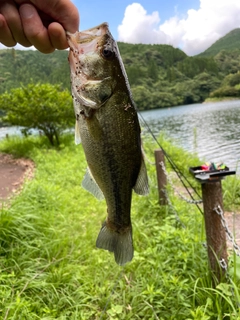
<point x="108" y="54"/>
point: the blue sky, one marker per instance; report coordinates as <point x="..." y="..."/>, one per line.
<point x="93" y="12"/>
<point x="191" y="25"/>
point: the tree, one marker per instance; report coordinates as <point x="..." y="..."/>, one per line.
<point x="232" y="79"/>
<point x="142" y="97"/>
<point x="152" y="70"/>
<point x="45" y="107"/>
<point x="226" y="91"/>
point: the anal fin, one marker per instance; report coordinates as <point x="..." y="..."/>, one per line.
<point x="141" y="187"/>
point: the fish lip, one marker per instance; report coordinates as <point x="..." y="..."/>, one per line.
<point x="84" y="37"/>
<point x="97" y="31"/>
<point x="86" y="41"/>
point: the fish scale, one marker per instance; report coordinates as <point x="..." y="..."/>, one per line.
<point x="118" y="159"/>
<point x="108" y="126"/>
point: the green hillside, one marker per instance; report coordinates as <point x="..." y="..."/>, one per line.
<point x="22" y="66"/>
<point x="159" y="75"/>
<point x="230" y="41"/>
<point x="226" y="53"/>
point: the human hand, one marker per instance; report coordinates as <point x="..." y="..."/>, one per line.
<point x="41" y="23"/>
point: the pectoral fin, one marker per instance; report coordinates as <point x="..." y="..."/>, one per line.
<point x="91" y="185"/>
<point x="83" y="100"/>
<point x="141" y="187"/>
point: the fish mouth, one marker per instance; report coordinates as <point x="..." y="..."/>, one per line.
<point x="86" y="41"/>
<point x="97" y="31"/>
<point x="84" y="48"/>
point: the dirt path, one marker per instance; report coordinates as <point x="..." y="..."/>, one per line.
<point x="12" y="174"/>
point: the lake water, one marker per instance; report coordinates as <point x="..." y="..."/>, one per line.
<point x="14" y="130"/>
<point x="212" y="130"/>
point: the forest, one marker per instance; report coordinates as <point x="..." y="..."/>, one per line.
<point x="160" y="75"/>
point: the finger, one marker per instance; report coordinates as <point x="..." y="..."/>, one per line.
<point x="69" y="21"/>
<point x="6" y="37"/>
<point x="57" y="36"/>
<point x="34" y="29"/>
<point x="13" y="22"/>
<point x="63" y="12"/>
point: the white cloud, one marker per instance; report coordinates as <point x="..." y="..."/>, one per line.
<point x="193" y="34"/>
<point x="139" y="27"/>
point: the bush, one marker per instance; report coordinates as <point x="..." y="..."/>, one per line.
<point x="44" y="107"/>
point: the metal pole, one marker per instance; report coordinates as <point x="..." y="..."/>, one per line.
<point x="215" y="233"/>
<point x="161" y="176"/>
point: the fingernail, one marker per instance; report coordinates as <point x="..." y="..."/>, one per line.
<point x="27" y="11"/>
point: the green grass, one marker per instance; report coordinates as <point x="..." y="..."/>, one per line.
<point x="51" y="269"/>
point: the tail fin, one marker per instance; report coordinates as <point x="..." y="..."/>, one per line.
<point x="119" y="243"/>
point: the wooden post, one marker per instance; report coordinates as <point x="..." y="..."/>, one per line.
<point x="215" y="233"/>
<point x="161" y="176"/>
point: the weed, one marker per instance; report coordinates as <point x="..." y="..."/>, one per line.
<point x="51" y="269"/>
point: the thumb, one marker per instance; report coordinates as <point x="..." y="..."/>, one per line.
<point x="61" y="11"/>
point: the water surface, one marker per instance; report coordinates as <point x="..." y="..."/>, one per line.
<point x="212" y="130"/>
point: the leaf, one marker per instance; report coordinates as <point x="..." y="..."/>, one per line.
<point x="225" y="288"/>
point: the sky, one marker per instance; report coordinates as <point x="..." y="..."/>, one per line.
<point x="191" y="25"/>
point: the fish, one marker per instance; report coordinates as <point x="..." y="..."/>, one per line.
<point x="108" y="127"/>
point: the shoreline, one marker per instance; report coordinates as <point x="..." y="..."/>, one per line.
<point x="211" y="100"/>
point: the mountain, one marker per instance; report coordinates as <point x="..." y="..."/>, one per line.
<point x="159" y="75"/>
<point x="230" y="41"/>
<point x="22" y="66"/>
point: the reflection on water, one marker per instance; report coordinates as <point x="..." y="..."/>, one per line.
<point x="212" y="130"/>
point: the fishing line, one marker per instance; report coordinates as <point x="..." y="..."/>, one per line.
<point x="176" y="169"/>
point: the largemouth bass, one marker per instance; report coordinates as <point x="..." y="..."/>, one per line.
<point x="108" y="127"/>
